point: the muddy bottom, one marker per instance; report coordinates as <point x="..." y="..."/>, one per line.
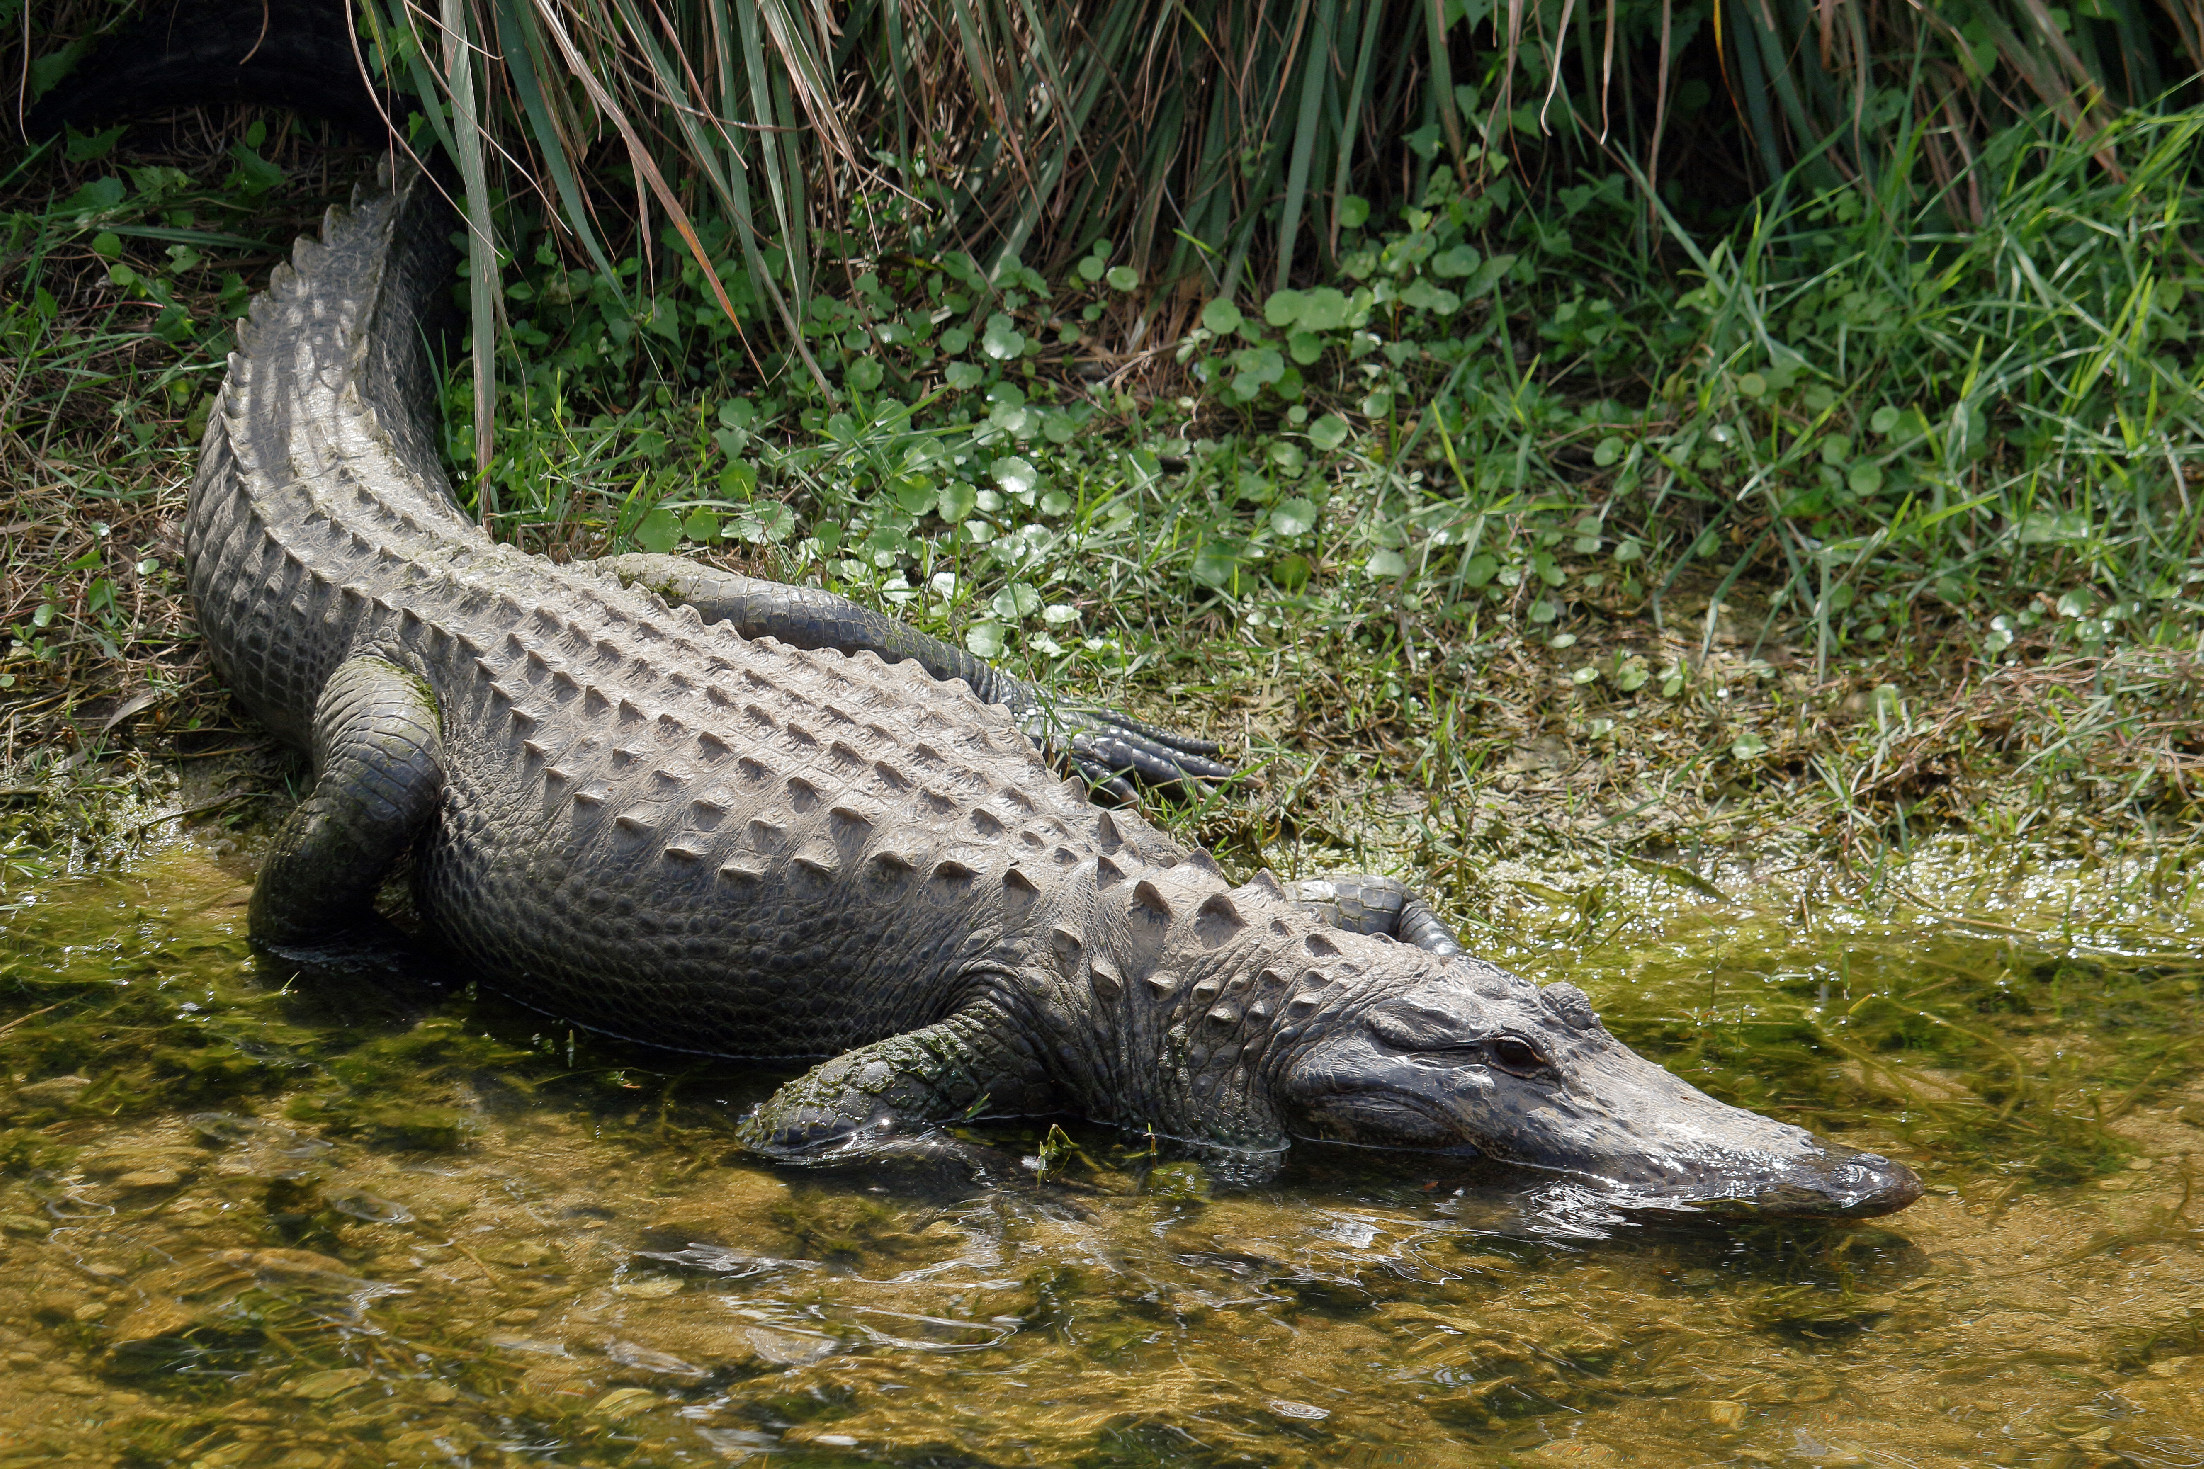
<point x="249" y="1217"/>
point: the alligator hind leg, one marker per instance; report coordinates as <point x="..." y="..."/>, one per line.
<point x="1107" y="747"/>
<point x="378" y="777"/>
<point x="1386" y="905"/>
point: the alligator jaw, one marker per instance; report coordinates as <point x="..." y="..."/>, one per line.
<point x="1831" y="1181"/>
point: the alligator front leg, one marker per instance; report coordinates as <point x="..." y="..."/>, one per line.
<point x="889" y="1097"/>
<point x="1107" y="747"/>
<point x="378" y="778"/>
<point x="1386" y="905"/>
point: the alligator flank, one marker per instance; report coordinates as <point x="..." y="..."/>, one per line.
<point x="657" y="827"/>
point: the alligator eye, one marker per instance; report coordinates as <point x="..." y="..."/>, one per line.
<point x="1515" y="1053"/>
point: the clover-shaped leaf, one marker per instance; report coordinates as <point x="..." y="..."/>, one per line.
<point x="1294" y="517"/>
<point x="1001" y="340"/>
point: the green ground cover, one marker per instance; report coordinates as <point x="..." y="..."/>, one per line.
<point x="1540" y="521"/>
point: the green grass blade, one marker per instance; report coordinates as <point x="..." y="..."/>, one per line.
<point x="1316" y="65"/>
<point x="459" y="77"/>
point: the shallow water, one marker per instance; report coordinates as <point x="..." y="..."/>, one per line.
<point x="252" y="1218"/>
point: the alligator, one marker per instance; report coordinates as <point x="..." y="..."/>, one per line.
<point x="748" y="819"/>
<point x="632" y="800"/>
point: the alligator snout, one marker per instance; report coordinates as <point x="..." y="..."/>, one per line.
<point x="1840" y="1181"/>
<point x="1470" y="1058"/>
<point x="1738" y="1161"/>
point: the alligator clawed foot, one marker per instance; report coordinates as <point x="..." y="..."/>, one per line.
<point x="1115" y="753"/>
<point x="819" y="1138"/>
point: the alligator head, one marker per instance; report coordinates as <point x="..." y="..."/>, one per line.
<point x="1465" y="1057"/>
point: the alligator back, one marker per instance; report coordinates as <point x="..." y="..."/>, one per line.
<point x="648" y="825"/>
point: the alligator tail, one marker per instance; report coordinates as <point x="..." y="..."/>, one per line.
<point x="320" y="466"/>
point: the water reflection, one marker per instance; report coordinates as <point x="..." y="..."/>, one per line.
<point x="244" y="1226"/>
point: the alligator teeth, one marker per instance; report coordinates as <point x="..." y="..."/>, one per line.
<point x="1150" y="897"/>
<point x="591" y="795"/>
<point x="822" y="863"/>
<point x="1017" y="881"/>
<point x="1107" y="874"/>
<point x="536" y="748"/>
<point x="632" y="821"/>
<point x="895" y="863"/>
<point x="683" y="854"/>
<point x="736" y="872"/>
<point x="1108" y="983"/>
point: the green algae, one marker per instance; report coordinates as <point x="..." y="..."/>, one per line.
<point x="255" y="1217"/>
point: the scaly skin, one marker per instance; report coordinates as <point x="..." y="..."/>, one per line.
<point x="657" y="827"/>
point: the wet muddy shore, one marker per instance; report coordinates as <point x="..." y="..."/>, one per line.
<point x="259" y="1218"/>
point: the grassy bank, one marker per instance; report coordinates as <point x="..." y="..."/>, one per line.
<point x="1531" y="535"/>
